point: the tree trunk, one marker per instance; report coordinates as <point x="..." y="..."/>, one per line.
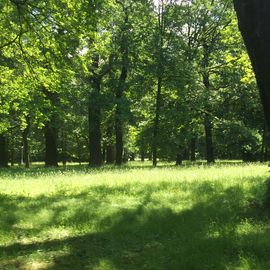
<point x="64" y="154"/>
<point x="263" y="146"/>
<point x="119" y="94"/>
<point x="132" y="157"/>
<point x="160" y="60"/>
<point x="179" y="159"/>
<point x="142" y="155"/>
<point x="193" y="149"/>
<point x="95" y="151"/>
<point x="3" y="151"/>
<point x="104" y="154"/>
<point x="254" y="24"/>
<point x="156" y="121"/>
<point x="119" y="145"/>
<point x="207" y="118"/>
<point x="262" y="154"/>
<point x="79" y="150"/>
<point x="266" y="154"/>
<point x="12" y="156"/>
<point x="109" y="154"/>
<point x="109" y="145"/>
<point x="25" y="135"/>
<point x="209" y="140"/>
<point x="50" y="145"/>
<point x="50" y="131"/>
<point x="125" y="156"/>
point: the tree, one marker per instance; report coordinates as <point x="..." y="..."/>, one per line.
<point x="110" y="80"/>
<point x="254" y="24"/>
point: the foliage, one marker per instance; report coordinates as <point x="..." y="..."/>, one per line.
<point x="53" y="52"/>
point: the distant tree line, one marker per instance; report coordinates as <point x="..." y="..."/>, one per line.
<point x="107" y="81"/>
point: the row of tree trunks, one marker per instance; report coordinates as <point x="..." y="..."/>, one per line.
<point x="50" y="139"/>
<point x="25" y="155"/>
<point x="188" y="153"/>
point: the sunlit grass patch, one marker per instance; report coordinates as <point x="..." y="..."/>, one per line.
<point x="137" y="217"/>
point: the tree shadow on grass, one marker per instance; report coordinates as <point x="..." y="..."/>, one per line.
<point x="206" y="235"/>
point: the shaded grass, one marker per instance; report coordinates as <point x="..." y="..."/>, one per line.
<point x="193" y="217"/>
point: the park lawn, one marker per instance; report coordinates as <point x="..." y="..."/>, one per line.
<point x="136" y="217"/>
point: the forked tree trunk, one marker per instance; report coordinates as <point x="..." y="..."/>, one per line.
<point x="254" y="24"/>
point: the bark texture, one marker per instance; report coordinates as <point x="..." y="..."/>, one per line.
<point x="254" y="24"/>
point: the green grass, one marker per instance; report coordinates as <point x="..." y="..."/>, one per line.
<point x="188" y="218"/>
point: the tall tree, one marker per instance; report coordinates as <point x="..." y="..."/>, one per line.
<point x="159" y="74"/>
<point x="121" y="86"/>
<point x="254" y="24"/>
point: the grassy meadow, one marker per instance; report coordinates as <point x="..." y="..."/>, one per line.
<point x="193" y="217"/>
